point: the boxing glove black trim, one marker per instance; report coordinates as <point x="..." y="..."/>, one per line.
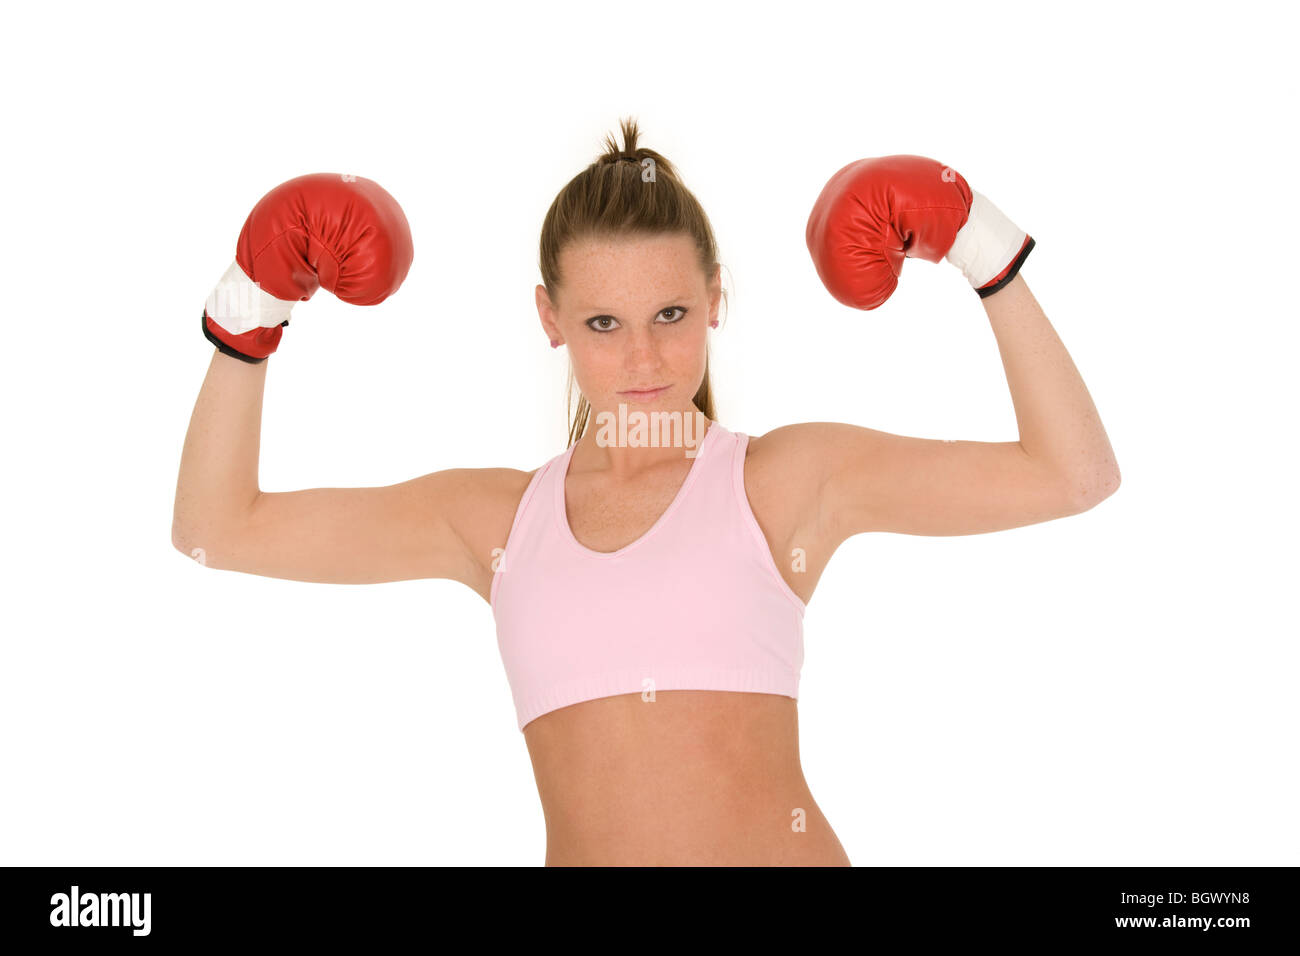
<point x="1019" y="261"/>
<point x="226" y="349"/>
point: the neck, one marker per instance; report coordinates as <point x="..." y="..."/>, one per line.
<point x="627" y="441"/>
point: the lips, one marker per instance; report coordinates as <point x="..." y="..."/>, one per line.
<point x="645" y="395"/>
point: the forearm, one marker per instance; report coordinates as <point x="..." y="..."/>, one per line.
<point x="1058" y="422"/>
<point x="218" y="473"/>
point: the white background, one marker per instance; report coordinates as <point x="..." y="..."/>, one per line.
<point x="1114" y="688"/>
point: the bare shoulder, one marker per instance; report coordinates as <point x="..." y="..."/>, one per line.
<point x="484" y="514"/>
<point x="785" y="471"/>
<point x="784" y="476"/>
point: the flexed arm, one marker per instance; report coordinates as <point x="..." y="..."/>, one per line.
<point x="870" y="217"/>
<point x="348" y="236"/>
<point x="1058" y="421"/>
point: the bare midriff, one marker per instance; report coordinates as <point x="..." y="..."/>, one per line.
<point x="692" y="778"/>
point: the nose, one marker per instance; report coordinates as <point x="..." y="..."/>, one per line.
<point x="642" y="350"/>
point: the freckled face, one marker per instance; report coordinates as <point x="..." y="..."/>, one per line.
<point x="634" y="313"/>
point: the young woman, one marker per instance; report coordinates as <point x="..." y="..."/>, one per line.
<point x="648" y="594"/>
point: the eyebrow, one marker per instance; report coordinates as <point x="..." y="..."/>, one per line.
<point x="668" y="302"/>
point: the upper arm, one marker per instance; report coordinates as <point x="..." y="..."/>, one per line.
<point x="435" y="526"/>
<point x="871" y="480"/>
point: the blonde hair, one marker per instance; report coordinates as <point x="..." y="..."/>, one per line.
<point x="610" y="200"/>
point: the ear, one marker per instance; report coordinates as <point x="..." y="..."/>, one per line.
<point x="715" y="292"/>
<point x="546" y="312"/>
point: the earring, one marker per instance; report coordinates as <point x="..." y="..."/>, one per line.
<point x="713" y="324"/>
<point x="555" y="344"/>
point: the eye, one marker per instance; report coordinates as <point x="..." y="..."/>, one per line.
<point x="591" y="323"/>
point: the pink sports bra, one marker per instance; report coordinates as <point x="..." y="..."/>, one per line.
<point x="695" y="603"/>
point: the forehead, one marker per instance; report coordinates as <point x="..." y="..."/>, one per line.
<point x="636" y="264"/>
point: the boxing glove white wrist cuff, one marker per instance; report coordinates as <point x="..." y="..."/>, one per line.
<point x="238" y="305"/>
<point x="986" y="244"/>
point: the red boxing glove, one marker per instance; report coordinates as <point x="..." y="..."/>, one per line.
<point x="874" y="213"/>
<point x="341" y="233"/>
